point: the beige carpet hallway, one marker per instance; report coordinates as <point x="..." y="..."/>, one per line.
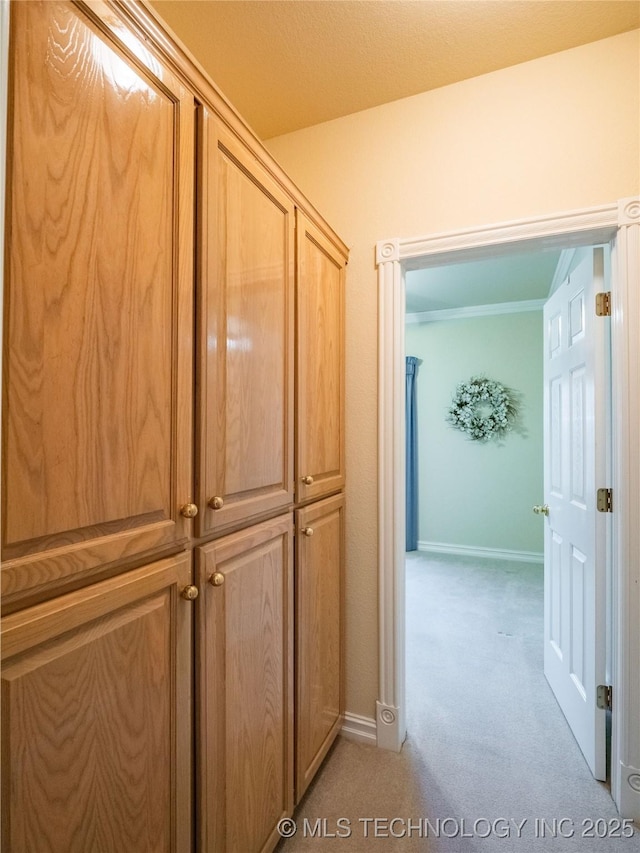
<point x="489" y="764"/>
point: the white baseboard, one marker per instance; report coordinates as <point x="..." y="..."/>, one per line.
<point x="491" y="553"/>
<point x="361" y="729"/>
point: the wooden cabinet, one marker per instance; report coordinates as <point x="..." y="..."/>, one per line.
<point x="319" y="471"/>
<point x="97" y="395"/>
<point x="96" y="719"/>
<point x="173" y="356"/>
<point x="245" y="671"/>
<point x="319" y="634"/>
<point x="320" y="363"/>
<point x="245" y="447"/>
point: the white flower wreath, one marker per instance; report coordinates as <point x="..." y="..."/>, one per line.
<point x="483" y="409"/>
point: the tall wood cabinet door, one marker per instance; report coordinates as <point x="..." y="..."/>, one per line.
<point x="244" y="643"/>
<point x="319" y="585"/>
<point x="97" y="357"/>
<point x="320" y="368"/>
<point x="245" y="404"/>
<point x="96" y="717"/>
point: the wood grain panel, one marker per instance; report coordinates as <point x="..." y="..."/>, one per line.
<point x="320" y="368"/>
<point x="245" y="667"/>
<point x="97" y="411"/>
<point x="149" y="21"/>
<point x="245" y="452"/>
<point x="319" y="634"/>
<point x="96" y="688"/>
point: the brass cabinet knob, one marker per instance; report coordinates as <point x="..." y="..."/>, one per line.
<point x="307" y="531"/>
<point x="541" y="510"/>
<point x="190" y="592"/>
<point x="189" y="510"/>
<point x="216" y="579"/>
<point x="216" y="503"/>
<point x="308" y="480"/>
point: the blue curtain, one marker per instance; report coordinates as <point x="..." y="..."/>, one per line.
<point x="411" y="454"/>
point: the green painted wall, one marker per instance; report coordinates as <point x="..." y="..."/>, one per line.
<point x="475" y="494"/>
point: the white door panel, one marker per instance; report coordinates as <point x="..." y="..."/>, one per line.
<point x="575" y="365"/>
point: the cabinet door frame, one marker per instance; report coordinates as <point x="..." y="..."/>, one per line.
<point x="327" y="481"/>
<point x="86" y="613"/>
<point x="212" y="443"/>
<point x="51" y="564"/>
<point x="212" y="706"/>
<point x="309" y="517"/>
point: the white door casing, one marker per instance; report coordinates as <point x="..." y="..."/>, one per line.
<point x="619" y="225"/>
<point x="576" y="360"/>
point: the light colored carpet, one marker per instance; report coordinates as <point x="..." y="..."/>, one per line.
<point x="488" y="752"/>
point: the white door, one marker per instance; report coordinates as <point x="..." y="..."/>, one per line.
<point x="576" y="406"/>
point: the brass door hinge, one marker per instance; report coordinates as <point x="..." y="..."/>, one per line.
<point x="603" y="697"/>
<point x="604" y="501"/>
<point x="603" y="304"/>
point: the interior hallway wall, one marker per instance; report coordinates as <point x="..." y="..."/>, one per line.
<point x="555" y="134"/>
<point x="479" y="494"/>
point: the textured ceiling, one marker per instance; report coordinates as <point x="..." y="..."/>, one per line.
<point x="288" y="64"/>
<point x="512" y="278"/>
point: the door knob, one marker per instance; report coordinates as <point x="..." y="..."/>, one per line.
<point x="189" y="510"/>
<point x="308" y="480"/>
<point x="216" y="579"/>
<point x="216" y="503"/>
<point x="541" y="510"/>
<point x="190" y="593"/>
<point x="307" y="531"/>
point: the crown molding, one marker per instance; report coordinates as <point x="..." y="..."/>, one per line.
<point x="469" y="311"/>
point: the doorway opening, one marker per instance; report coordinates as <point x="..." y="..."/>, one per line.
<point x="474" y="568"/>
<point x="619" y="225"/>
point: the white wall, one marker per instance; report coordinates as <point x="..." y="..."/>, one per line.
<point x="555" y="134"/>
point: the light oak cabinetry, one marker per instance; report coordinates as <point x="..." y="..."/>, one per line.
<point x="319" y="634"/>
<point x="245" y="448"/>
<point x="320" y="364"/>
<point x="98" y="301"/>
<point x="173" y="399"/>
<point x="245" y="670"/>
<point x="96" y="718"/>
<point x="320" y="283"/>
